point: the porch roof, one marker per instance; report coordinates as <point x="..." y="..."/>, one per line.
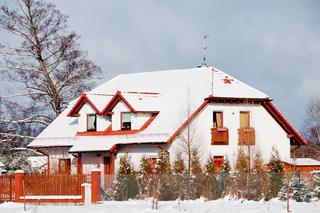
<point x="91" y="143"/>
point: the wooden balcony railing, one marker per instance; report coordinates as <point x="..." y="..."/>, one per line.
<point x="247" y="136"/>
<point x="219" y="136"/>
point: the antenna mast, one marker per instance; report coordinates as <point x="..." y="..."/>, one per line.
<point x="204" y="43"/>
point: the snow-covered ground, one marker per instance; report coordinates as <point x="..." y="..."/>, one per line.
<point x="144" y="206"/>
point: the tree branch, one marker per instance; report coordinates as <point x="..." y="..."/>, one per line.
<point x="16" y="135"/>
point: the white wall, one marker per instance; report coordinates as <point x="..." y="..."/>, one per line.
<point x="268" y="133"/>
<point x="57" y="153"/>
<point x="136" y="153"/>
<point x="116" y="117"/>
<point x="93" y="160"/>
<point x="137" y="119"/>
<point x="103" y="121"/>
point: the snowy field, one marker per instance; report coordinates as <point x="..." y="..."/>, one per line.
<point x="200" y="206"/>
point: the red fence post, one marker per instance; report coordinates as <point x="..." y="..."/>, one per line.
<point x="95" y="183"/>
<point x="18" y="185"/>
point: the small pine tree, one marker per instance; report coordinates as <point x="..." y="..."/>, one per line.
<point x="209" y="167"/>
<point x="316" y="190"/>
<point x="197" y="177"/>
<point x="163" y="163"/>
<point x="242" y="181"/>
<point x="164" y="180"/>
<point x="145" y="177"/>
<point x="195" y="163"/>
<point x="257" y="178"/>
<point x="179" y="177"/>
<point x="298" y="190"/>
<point x="275" y="176"/>
<point x="178" y="165"/>
<point x="125" y="185"/>
<point x="211" y="188"/>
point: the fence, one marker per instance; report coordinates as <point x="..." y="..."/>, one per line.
<point x="251" y="186"/>
<point x="6" y="188"/>
<point x="57" y="185"/>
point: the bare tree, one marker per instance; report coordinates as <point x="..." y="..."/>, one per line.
<point x="312" y="122"/>
<point x="47" y="60"/>
<point x="311" y="131"/>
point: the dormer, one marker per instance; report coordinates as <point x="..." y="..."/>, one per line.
<point x="122" y="113"/>
<point x="126" y="113"/>
<point x="88" y="110"/>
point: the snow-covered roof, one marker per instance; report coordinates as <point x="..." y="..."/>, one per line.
<point x="167" y="92"/>
<point x="103" y="143"/>
<point x="302" y="162"/>
<point x="99" y="100"/>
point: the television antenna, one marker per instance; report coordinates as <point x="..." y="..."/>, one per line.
<point x="205" y="47"/>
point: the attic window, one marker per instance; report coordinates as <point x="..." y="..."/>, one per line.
<point x="125" y="121"/>
<point x="91" y="122"/>
<point x="217" y="120"/>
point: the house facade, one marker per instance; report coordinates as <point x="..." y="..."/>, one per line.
<point x="142" y="114"/>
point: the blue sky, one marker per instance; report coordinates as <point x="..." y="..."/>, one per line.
<point x="272" y="45"/>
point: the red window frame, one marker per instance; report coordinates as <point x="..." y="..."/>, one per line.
<point x="218" y="161"/>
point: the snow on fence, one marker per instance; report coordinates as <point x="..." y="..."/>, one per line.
<point x="53" y="185"/>
<point x="6" y="188"/>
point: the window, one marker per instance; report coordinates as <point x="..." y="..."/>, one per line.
<point x="219" y="134"/>
<point x="125" y="121"/>
<point x="244" y="119"/>
<point x="64" y="166"/>
<point x="245" y="132"/>
<point x="218" y="161"/>
<point x="152" y="161"/>
<point x="91" y="122"/>
<point x="217" y="120"/>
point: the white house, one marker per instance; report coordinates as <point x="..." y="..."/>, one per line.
<point x="143" y="113"/>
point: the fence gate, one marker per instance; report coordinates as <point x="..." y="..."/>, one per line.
<point x="6" y="188"/>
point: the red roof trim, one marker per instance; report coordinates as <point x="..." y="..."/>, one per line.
<point x="265" y="102"/>
<point x="114" y="101"/>
<point x="81" y="101"/>
<point x="283" y="122"/>
<point x="231" y="100"/>
<point x="144" y="93"/>
<point x="113" y="148"/>
<point x="109" y="131"/>
<point x="178" y="131"/>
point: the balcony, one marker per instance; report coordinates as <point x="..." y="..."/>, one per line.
<point x="219" y="136"/>
<point x="247" y="136"/>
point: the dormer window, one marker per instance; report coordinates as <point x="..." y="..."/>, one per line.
<point x="91" y="122"/>
<point x="125" y="121"/>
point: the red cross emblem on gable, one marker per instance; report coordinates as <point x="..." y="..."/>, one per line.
<point x="227" y="80"/>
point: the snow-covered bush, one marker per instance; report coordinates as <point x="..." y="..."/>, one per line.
<point x="298" y="190"/>
<point x="316" y="190"/>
